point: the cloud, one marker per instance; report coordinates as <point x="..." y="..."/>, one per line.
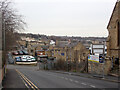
<point x="57" y="1"/>
<point x="69" y="17"/>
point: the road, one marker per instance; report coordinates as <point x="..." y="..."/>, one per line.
<point x="48" y="79"/>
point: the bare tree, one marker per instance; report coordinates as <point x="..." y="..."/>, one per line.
<point x="12" y="23"/>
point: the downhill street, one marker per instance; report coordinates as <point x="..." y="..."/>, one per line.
<point x="48" y="79"/>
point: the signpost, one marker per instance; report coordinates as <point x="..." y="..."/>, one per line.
<point x="93" y="58"/>
<point x="0" y="50"/>
<point x="98" y="49"/>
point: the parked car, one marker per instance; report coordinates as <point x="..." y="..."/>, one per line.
<point x="28" y="58"/>
<point x="14" y="53"/>
<point x="32" y="58"/>
<point x="17" y="59"/>
<point x="24" y="58"/>
<point x="25" y="52"/>
<point x="20" y="52"/>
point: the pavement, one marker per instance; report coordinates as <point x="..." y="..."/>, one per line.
<point x="12" y="80"/>
<point x="52" y="79"/>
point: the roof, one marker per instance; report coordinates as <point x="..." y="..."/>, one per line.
<point x="118" y="0"/>
<point x="72" y="44"/>
<point x="62" y="44"/>
<point x="69" y="45"/>
<point x="112" y="14"/>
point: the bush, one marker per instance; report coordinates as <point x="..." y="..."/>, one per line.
<point x="61" y="65"/>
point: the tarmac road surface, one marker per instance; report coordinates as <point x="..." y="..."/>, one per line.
<point x="32" y="77"/>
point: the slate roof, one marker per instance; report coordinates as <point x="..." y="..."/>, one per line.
<point x="62" y="45"/>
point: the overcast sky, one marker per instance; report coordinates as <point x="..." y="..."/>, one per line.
<point x="66" y="17"/>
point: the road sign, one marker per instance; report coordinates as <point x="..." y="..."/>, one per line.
<point x="101" y="59"/>
<point x="93" y="58"/>
<point x="62" y="54"/>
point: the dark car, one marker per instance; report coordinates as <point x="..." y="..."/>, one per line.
<point x="15" y="53"/>
<point x="17" y="59"/>
<point x="25" y="52"/>
<point x="20" y="52"/>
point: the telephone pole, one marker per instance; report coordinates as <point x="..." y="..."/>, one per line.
<point x="0" y="49"/>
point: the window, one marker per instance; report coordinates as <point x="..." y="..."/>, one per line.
<point x="118" y="34"/>
<point x="31" y="50"/>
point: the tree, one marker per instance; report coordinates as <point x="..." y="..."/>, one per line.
<point x="12" y="23"/>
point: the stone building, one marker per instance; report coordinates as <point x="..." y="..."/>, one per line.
<point x="33" y="46"/>
<point x="74" y="54"/>
<point x="113" y="46"/>
<point x="69" y="51"/>
<point x="77" y="50"/>
<point x="58" y="52"/>
<point x="113" y="40"/>
<point x="77" y="55"/>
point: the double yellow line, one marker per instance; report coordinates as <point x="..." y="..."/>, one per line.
<point x="33" y="86"/>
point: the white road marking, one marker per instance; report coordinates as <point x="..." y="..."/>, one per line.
<point x="83" y="83"/>
<point x="71" y="80"/>
<point x="66" y="78"/>
<point x="76" y="81"/>
<point x="62" y="77"/>
<point x="92" y="86"/>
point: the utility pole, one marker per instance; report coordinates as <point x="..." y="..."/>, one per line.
<point x="0" y="49"/>
<point x="4" y="44"/>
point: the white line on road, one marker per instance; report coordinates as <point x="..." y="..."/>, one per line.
<point x="71" y="80"/>
<point x="92" y="86"/>
<point x="76" y="81"/>
<point x="66" y="78"/>
<point x="83" y="83"/>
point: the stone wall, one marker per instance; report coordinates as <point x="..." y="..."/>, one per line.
<point x="97" y="68"/>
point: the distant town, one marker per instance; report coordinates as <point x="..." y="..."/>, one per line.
<point x="69" y="50"/>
